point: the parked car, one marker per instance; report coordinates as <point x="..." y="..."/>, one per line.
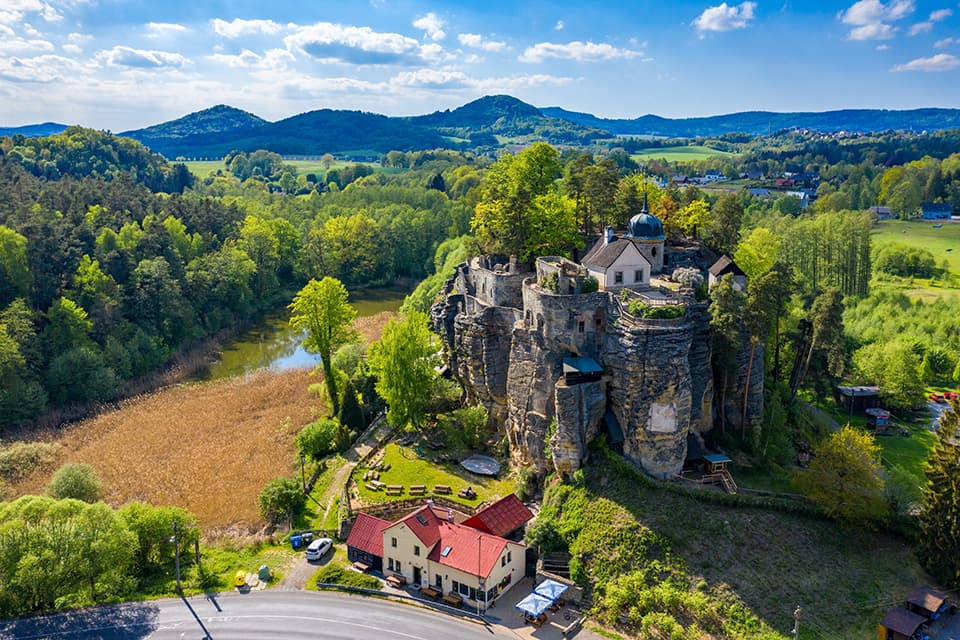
<point x="318" y="548"/>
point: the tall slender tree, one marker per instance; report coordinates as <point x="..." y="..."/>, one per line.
<point x="940" y="512"/>
<point x="321" y="309"/>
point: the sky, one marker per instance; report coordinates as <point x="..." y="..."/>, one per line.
<point x="125" y="64"/>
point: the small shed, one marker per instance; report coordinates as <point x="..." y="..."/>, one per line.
<point x="936" y="210"/>
<point x="580" y="370"/>
<point x="899" y="624"/>
<point x="857" y="398"/>
<point x="715" y="463"/>
<point x="722" y="267"/>
<point x="927" y="602"/>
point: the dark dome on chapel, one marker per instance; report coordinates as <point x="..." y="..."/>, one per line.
<point x="645" y="225"/>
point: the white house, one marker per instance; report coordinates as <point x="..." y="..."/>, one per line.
<point x="616" y="263"/>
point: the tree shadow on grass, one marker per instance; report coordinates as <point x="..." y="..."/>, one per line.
<point x="132" y="621"/>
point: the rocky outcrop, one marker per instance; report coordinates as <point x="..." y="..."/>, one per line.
<point x="701" y="370"/>
<point x="579" y="418"/>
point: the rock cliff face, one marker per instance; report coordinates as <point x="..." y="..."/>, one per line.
<point x="654" y="377"/>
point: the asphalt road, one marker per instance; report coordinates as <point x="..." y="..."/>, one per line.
<point x="262" y="615"/>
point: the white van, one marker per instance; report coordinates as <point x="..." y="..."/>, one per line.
<point x="318" y="548"/>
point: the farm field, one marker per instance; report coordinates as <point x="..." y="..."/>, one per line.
<point x="920" y="233"/>
<point x="678" y="154"/>
<point x="201" y="168"/>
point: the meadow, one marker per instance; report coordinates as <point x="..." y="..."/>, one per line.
<point x="689" y="153"/>
<point x="943" y="243"/>
<point x="202" y="168"/>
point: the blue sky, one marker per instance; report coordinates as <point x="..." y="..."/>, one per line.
<point x="122" y="64"/>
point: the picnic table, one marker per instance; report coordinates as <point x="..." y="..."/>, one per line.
<point x="452" y="597"/>
<point x="430" y="592"/>
<point x="394" y="489"/>
<point x="442" y="489"/>
<point x="468" y="493"/>
<point x="418" y="489"/>
<point x="395" y="580"/>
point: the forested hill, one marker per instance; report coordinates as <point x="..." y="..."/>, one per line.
<point x="314" y="132"/>
<point x="764" y="122"/>
<point x="219" y="119"/>
<point x="481" y="120"/>
<point x="30" y="130"/>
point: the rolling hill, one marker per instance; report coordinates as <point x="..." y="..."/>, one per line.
<point x="763" y="122"/>
<point x="34" y="130"/>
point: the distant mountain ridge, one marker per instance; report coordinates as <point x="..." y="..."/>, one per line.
<point x="486" y="123"/>
<point x="763" y="122"/>
<point x="35" y="130"/>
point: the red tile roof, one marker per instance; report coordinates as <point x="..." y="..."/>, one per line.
<point x="426" y="531"/>
<point x="470" y="551"/>
<point x="502" y="517"/>
<point x="367" y="534"/>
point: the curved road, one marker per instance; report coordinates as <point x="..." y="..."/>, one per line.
<point x="233" y="616"/>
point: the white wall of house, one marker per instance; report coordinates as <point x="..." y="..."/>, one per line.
<point x="634" y="270"/>
<point x="510" y="563"/>
<point x="402" y="557"/>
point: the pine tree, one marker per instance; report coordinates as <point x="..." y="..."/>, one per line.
<point x="940" y="515"/>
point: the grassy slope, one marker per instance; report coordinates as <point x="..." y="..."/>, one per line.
<point x="201" y="168"/>
<point x="767" y="560"/>
<point x="678" y="154"/>
<point x="408" y="469"/>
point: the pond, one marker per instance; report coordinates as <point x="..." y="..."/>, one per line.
<point x="273" y="344"/>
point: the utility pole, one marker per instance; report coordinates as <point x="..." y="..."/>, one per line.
<point x="176" y="551"/>
<point x="796" y="623"/>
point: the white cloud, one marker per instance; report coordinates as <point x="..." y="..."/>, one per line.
<point x="272" y="60"/>
<point x="882" y="47"/>
<point x="141" y="58"/>
<point x="331" y="42"/>
<point x="576" y="50"/>
<point x="43" y="69"/>
<point x="559" y="26"/>
<point x="940" y="14"/>
<point x="920" y="27"/>
<point x="159" y="29"/>
<point x="939" y="62"/>
<point x="72" y="48"/>
<point x="870" y="18"/>
<point x="946" y="42"/>
<point x="725" y="17"/>
<point x="431" y="79"/>
<point x="513" y="83"/>
<point x="432" y="24"/>
<point x="477" y="41"/>
<point x="14" y="11"/>
<point x="237" y="27"/>
<point x="14" y="44"/>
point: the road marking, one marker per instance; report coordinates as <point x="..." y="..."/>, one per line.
<point x="333" y="620"/>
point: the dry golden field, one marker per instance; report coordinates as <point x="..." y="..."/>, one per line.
<point x="207" y="447"/>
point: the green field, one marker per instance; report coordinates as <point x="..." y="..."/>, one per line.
<point x="201" y="168"/>
<point x="678" y="154"/>
<point x="943" y="243"/>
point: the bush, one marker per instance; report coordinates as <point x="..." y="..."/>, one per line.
<point x="21" y="459"/>
<point x="590" y="285"/>
<point x="319" y="438"/>
<point x="551" y="282"/>
<point x="463" y="428"/>
<point x="337" y="574"/>
<point x="76" y="480"/>
<point x="281" y="501"/>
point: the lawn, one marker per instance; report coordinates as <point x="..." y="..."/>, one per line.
<point x="921" y="233"/>
<point x="678" y="154"/>
<point x="408" y="468"/>
<point x="759" y="561"/>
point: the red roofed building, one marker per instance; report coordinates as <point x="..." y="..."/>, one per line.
<point x="365" y="542"/>
<point x="502" y="517"/>
<point x="428" y="548"/>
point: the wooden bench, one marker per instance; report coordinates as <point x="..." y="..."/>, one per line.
<point x="394" y="489"/>
<point x="442" y="489"/>
<point x="385" y="467"/>
<point x="396" y="581"/>
<point x="372" y="487"/>
<point x="418" y="489"/>
<point x="377" y="484"/>
<point x="430" y="592"/>
<point x="468" y="494"/>
<point x="453" y="598"/>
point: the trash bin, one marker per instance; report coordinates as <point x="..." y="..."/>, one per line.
<point x="296" y="541"/>
<point x="307" y="537"/>
<point x="264" y="573"/>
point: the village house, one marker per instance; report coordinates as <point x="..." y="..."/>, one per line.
<point x="471" y="560"/>
<point x="722" y="267"/>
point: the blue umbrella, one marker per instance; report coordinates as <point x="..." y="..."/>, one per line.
<point x="550" y="589"/>
<point x="534" y="604"/>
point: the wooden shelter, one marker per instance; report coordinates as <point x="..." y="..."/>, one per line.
<point x="927" y="602"/>
<point x="899" y="624"/>
<point x="715" y="463"/>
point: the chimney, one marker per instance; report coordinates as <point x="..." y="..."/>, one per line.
<point x="450" y="515"/>
<point x="607" y="235"/>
